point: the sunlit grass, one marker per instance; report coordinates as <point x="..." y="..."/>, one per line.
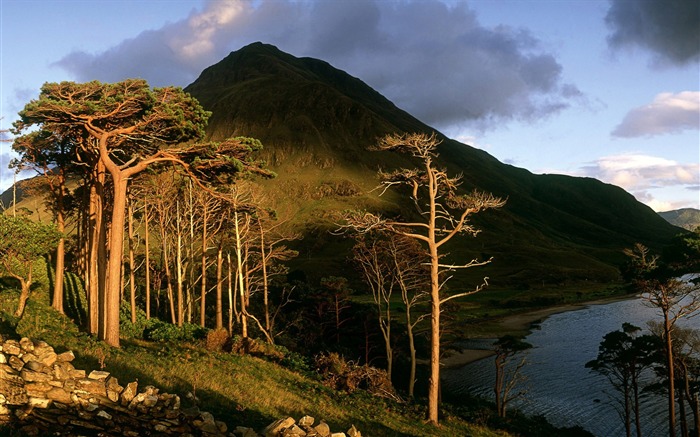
<point x="240" y="390"/>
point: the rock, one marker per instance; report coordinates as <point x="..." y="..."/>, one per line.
<point x="276" y="427"/>
<point x="98" y="375"/>
<point x="353" y="432"/>
<point x="129" y="393"/>
<point x="65" y="357"/>
<point x="306" y="421"/>
<point x="294" y="431"/>
<point x="322" y="429"/>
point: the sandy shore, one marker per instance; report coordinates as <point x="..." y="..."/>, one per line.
<point x="518" y="323"/>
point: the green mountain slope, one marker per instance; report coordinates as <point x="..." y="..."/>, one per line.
<point x="316" y="122"/>
<point x="687" y="218"/>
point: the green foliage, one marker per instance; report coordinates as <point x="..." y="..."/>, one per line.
<point x="129" y="329"/>
<point x="24" y="239"/>
<point x="158" y="330"/>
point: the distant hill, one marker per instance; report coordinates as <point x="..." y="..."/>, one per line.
<point x="316" y="122"/>
<point x="687" y="218"/>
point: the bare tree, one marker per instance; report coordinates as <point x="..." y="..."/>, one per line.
<point x="443" y="214"/>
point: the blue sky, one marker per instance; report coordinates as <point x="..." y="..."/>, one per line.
<point x="608" y="89"/>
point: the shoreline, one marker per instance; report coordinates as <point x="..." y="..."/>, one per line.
<point x="521" y="322"/>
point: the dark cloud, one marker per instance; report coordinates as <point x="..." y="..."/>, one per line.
<point x="436" y="61"/>
<point x="668" y="28"/>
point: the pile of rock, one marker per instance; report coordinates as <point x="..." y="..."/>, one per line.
<point x="290" y="428"/>
<point x="42" y="393"/>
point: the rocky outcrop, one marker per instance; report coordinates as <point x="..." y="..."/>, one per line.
<point x="42" y="393"/>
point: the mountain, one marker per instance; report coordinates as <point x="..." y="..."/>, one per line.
<point x="686" y="218"/>
<point x="316" y="122"/>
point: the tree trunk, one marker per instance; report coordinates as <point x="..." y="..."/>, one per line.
<point x="412" y="350"/>
<point x="25" y="287"/>
<point x="263" y="260"/>
<point x="231" y="295"/>
<point x="59" y="271"/>
<point x="219" y="287"/>
<point x="637" y="416"/>
<point x="671" y="376"/>
<point x="179" y="271"/>
<point x="203" y="283"/>
<point x="132" y="264"/>
<point x="114" y="263"/>
<point x="148" y="260"/>
<point x="241" y="287"/>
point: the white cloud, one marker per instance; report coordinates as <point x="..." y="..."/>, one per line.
<point x="668" y="113"/>
<point x="646" y="176"/>
<point x="434" y="60"/>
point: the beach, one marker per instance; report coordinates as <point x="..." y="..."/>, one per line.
<point x="518" y="323"/>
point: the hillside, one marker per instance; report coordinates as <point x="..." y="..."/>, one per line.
<point x="316" y="122"/>
<point x="686" y="218"/>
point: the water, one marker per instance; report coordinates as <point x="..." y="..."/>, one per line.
<point x="558" y="385"/>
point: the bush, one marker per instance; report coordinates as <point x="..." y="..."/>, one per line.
<point x="158" y="330"/>
<point x="128" y="329"/>
<point x="217" y="339"/>
<point x="340" y="374"/>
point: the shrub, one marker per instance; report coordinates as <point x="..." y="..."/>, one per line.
<point x="158" y="330"/>
<point x="217" y="339"/>
<point x="340" y="374"/>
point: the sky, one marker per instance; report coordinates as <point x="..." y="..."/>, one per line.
<point x="608" y="89"/>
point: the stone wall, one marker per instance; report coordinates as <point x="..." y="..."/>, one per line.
<point x="42" y="393"/>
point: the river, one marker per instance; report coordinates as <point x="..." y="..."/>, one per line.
<point x="558" y="385"/>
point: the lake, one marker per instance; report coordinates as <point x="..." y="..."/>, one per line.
<point x="559" y="386"/>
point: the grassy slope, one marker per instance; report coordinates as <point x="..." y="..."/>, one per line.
<point x="687" y="218"/>
<point x="240" y="390"/>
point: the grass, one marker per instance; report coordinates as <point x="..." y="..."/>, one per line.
<point x="237" y="389"/>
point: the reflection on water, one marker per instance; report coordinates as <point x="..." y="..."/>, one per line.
<point x="559" y="386"/>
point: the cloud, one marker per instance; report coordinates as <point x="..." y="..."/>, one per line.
<point x="670" y="29"/>
<point x="642" y="174"/>
<point x="668" y="113"/>
<point x="434" y="60"/>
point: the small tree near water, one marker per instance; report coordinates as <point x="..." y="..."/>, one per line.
<point x="22" y="242"/>
<point x="507" y="349"/>
<point x="623" y="356"/>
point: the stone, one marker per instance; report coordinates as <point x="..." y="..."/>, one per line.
<point x="11" y="347"/>
<point x="16" y="363"/>
<point x="322" y="429"/>
<point x="353" y="432"/>
<point x="338" y="434"/>
<point x="3" y="358"/>
<point x="129" y="393"/>
<point x="62" y="370"/>
<point x="26" y="344"/>
<point x="39" y="402"/>
<point x="35" y="366"/>
<point x="65" y="357"/>
<point x="104" y="415"/>
<point x="273" y="429"/>
<point x="59" y="395"/>
<point x="306" y="421"/>
<point x="37" y="389"/>
<point x="30" y="376"/>
<point x="28" y="356"/>
<point x="93" y="386"/>
<point x="98" y="375"/>
<point x="294" y="431"/>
